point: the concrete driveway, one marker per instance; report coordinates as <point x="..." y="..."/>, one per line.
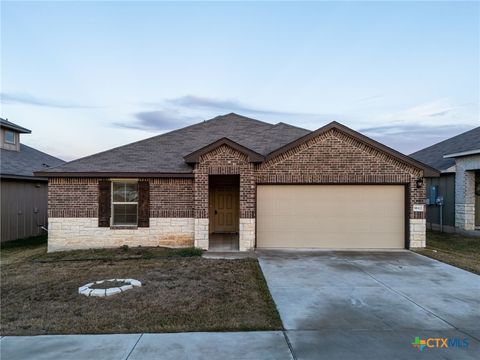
<point x="359" y="305"/>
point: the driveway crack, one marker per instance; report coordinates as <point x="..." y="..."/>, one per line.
<point x="289" y="344"/>
<point x="134" y="346"/>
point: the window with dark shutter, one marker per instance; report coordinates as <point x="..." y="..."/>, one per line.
<point x="104" y="200"/>
<point x="124" y="203"/>
<point x="143" y="204"/>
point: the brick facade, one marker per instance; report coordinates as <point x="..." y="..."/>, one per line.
<point x="72" y="198"/>
<point x="171" y="198"/>
<point x="332" y="157"/>
<point x="78" y="198"/>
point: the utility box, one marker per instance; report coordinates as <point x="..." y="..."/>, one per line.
<point x="432" y="198"/>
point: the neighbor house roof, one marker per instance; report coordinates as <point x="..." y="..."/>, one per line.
<point x="23" y="163"/>
<point x="170" y="154"/>
<point x="434" y="155"/>
<point x="9" y="125"/>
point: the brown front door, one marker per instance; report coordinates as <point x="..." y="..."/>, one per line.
<point x="224" y="208"/>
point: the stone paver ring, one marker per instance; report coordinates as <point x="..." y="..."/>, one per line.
<point x="87" y="289"/>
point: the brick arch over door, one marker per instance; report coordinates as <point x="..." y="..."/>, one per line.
<point x="225" y="160"/>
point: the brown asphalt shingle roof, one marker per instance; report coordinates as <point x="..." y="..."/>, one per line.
<point x="164" y="153"/>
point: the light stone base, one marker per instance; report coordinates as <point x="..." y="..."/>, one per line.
<point x="201" y="233"/>
<point x="247" y="234"/>
<point x="84" y="233"/>
<point x="465" y="191"/>
<point x="465" y="216"/>
<point x="418" y="232"/>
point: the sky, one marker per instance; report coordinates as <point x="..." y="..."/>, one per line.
<point x="89" y="76"/>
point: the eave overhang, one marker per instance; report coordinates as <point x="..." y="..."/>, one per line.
<point x="122" y="175"/>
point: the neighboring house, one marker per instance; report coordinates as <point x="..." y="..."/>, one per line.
<point x="237" y="183"/>
<point x="23" y="195"/>
<point x="458" y="160"/>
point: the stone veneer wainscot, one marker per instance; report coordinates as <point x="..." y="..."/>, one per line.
<point x="81" y="233"/>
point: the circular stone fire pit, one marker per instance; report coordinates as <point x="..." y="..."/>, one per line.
<point x="87" y="289"/>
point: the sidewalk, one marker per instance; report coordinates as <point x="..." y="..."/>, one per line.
<point x="223" y="345"/>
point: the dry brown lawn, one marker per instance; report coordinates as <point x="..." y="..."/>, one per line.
<point x="454" y="249"/>
<point x="39" y="293"/>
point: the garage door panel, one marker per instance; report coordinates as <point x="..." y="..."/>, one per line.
<point x="330" y="216"/>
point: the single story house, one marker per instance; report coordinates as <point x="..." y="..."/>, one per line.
<point x="458" y="160"/>
<point x="238" y="183"/>
<point x="23" y="195"/>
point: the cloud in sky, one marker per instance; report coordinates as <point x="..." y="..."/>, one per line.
<point x="406" y="130"/>
<point x="162" y="120"/>
<point x="370" y="98"/>
<point x="414" y="130"/>
<point x="421" y="125"/>
<point x="28" y="99"/>
<point x="200" y="102"/>
<point x="185" y="110"/>
<point x="423" y="113"/>
<point x="441" y="113"/>
<point x="412" y="137"/>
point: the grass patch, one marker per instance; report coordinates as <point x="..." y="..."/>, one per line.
<point x="22" y="250"/>
<point x="179" y="292"/>
<point x="454" y="249"/>
<point x="121" y="253"/>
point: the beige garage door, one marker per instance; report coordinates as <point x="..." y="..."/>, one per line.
<point x="331" y="216"/>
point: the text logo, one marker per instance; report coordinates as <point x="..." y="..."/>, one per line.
<point x="439" y="343"/>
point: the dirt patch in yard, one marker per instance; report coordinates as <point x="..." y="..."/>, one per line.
<point x="454" y="249"/>
<point x="177" y="294"/>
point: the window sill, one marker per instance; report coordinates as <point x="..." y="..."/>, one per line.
<point x="124" y="227"/>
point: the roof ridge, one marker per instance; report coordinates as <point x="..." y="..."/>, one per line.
<point x="247" y="118"/>
<point x="291" y="126"/>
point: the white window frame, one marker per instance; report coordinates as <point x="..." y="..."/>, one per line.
<point x="112" y="203"/>
<point x="5" y="137"/>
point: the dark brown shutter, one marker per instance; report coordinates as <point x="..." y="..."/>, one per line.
<point x="143" y="204"/>
<point x="104" y="203"/>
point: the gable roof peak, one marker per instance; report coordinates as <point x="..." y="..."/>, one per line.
<point x="194" y="157"/>
<point x="234" y="116"/>
<point x="428" y="171"/>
